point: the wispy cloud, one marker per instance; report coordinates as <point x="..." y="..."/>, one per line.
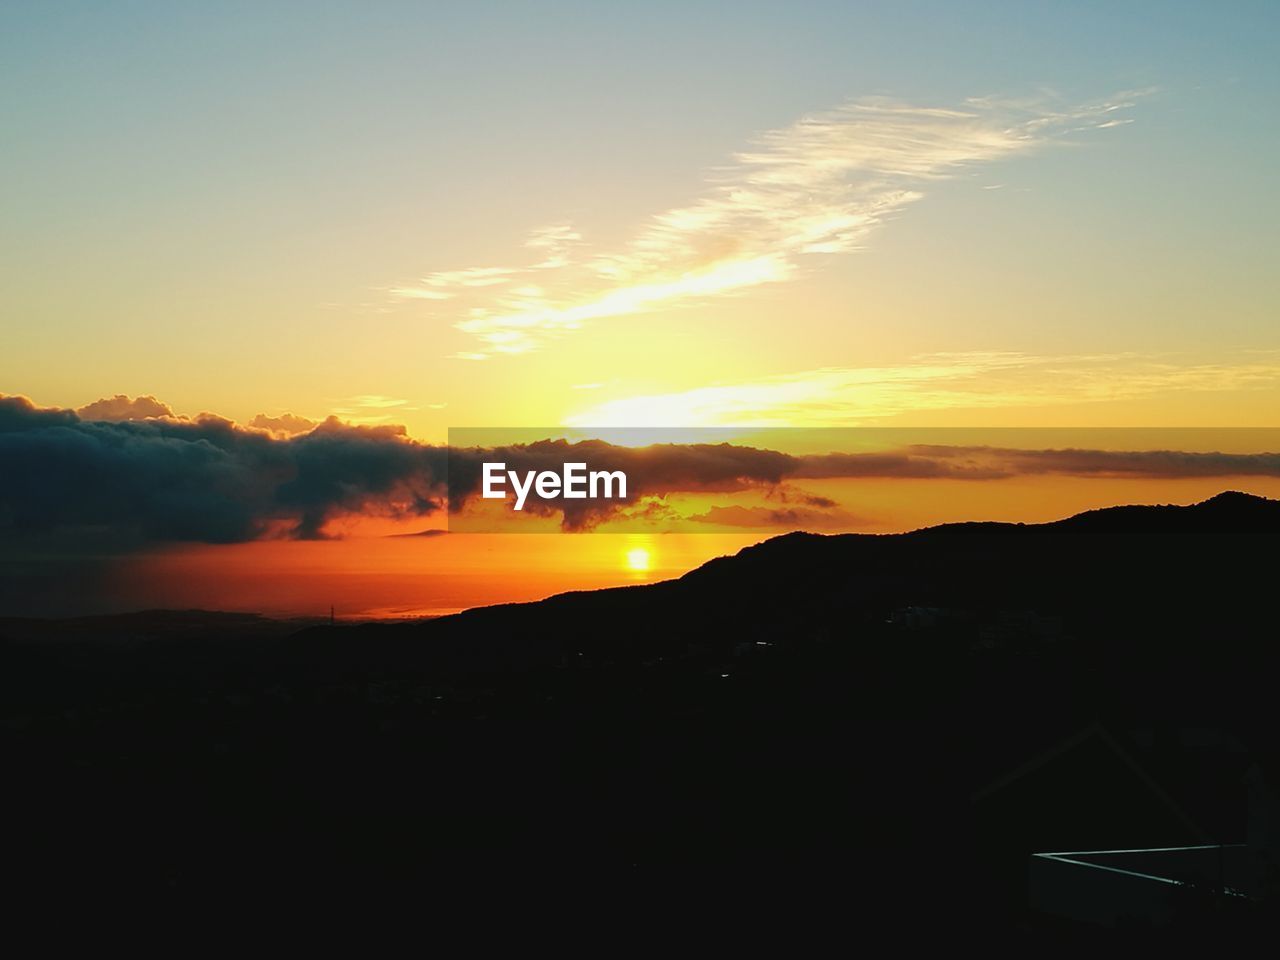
<point x="815" y="188"/>
<point x="370" y="409"/>
<point x="977" y="381"/>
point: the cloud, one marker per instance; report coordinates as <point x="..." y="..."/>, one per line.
<point x="372" y="409"/>
<point x="136" y="482"/>
<point x="287" y="423"/>
<point x="377" y="401"/>
<point x="18" y="413"/>
<point x="789" y="518"/>
<point x="961" y="462"/>
<point x="120" y="407"/>
<point x="660" y="470"/>
<point x="652" y="471"/>
<point x="786" y="493"/>
<point x="1145" y="464"/>
<point x="979" y="381"/>
<point x="813" y="189"/>
<point x="915" y="464"/>
<point x="126" y="484"/>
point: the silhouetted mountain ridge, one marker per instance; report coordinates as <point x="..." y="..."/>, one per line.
<point x="960" y="564"/>
<point x="813" y="708"/>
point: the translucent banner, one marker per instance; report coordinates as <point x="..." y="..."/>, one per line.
<point x="856" y="479"/>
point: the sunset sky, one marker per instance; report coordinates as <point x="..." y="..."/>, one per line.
<point x="602" y="215"/>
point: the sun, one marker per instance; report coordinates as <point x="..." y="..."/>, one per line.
<point x="639" y="560"/>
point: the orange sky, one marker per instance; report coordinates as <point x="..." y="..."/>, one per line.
<point x="365" y="576"/>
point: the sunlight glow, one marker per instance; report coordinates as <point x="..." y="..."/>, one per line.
<point x="639" y="560"/>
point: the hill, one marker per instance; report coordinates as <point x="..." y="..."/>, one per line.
<point x="814" y="707"/>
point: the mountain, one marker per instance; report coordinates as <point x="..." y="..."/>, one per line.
<point x="850" y="716"/>
<point x="1145" y="563"/>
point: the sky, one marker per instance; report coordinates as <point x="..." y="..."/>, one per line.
<point x="438" y="216"/>
<point x="214" y="204"/>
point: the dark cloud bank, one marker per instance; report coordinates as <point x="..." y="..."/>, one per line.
<point x="202" y="480"/>
<point x="129" y="473"/>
